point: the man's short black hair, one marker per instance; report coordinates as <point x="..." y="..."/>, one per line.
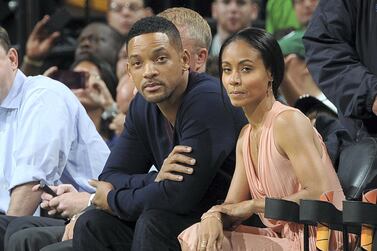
<point x="4" y="39"/>
<point x="156" y="24"/>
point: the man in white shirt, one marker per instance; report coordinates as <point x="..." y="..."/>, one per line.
<point x="45" y="134"/>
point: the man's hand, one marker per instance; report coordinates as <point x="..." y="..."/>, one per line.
<point x="68" y="202"/>
<point x="39" y="44"/>
<point x="374" y="107"/>
<point x="176" y="162"/>
<point x="100" y="198"/>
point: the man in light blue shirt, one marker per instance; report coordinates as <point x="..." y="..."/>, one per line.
<point x="45" y="134"/>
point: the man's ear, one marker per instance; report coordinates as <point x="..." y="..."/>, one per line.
<point x="201" y="59"/>
<point x="148" y="12"/>
<point x="185" y="60"/>
<point x="13" y="57"/>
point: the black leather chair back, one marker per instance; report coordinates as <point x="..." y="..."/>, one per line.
<point x="357" y="170"/>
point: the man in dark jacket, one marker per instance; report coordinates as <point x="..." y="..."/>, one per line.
<point x="341" y="53"/>
<point x="178" y="119"/>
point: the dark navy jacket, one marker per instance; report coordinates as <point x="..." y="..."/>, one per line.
<point x="341" y="52"/>
<point x="206" y="121"/>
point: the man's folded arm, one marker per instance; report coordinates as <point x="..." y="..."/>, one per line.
<point x="212" y="136"/>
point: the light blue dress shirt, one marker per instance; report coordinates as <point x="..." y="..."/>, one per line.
<point x="46" y="134"/>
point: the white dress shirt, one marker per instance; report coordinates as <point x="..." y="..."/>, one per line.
<point x="46" y="134"/>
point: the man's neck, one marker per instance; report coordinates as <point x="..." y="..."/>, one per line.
<point x="169" y="107"/>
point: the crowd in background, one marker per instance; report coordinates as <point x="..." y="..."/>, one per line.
<point x="328" y="72"/>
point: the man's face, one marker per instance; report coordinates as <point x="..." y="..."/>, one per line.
<point x="8" y="66"/>
<point x="156" y="67"/>
<point x="304" y="10"/>
<point x="123" y="14"/>
<point x="97" y="40"/>
<point x="233" y="15"/>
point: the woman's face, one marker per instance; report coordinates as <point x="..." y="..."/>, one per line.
<point x="244" y="75"/>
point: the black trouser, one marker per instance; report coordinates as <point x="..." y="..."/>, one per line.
<point x="39" y="239"/>
<point x="154" y="230"/>
<point x="17" y="232"/>
<point x="4" y="221"/>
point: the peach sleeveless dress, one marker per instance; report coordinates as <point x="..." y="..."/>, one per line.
<point x="276" y="179"/>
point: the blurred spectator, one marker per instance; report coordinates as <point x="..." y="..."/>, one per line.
<point x="195" y="35"/>
<point x="122" y="14"/>
<point x="341" y="52"/>
<point x="99" y="92"/>
<point x="231" y="16"/>
<point x="280" y="15"/>
<point x="121" y="66"/>
<point x="101" y="40"/>
<point x="96" y="38"/>
<point x="304" y="10"/>
<point x="297" y="79"/>
<point x="126" y="91"/>
<point x="300" y="91"/>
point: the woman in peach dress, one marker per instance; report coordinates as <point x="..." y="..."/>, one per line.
<point x="279" y="154"/>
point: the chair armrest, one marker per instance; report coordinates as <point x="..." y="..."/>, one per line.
<point x="316" y="211"/>
<point x="279" y="209"/>
<point x="358" y="213"/>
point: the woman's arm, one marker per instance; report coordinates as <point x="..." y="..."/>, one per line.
<point x="296" y="139"/>
<point x="239" y="188"/>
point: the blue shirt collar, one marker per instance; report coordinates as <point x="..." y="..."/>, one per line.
<point x="13" y="99"/>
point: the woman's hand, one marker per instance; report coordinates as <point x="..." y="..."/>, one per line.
<point x="237" y="212"/>
<point x="211" y="233"/>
